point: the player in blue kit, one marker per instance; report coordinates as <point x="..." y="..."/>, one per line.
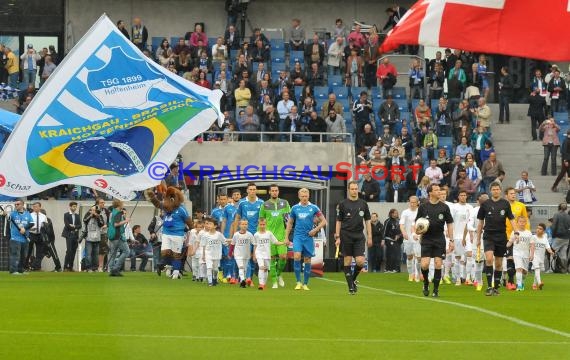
<point x="229" y="215"/>
<point x="248" y="209"/>
<point x="302" y="218"/>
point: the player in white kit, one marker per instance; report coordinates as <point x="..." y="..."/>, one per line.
<point x="477" y="272"/>
<point x="241" y="249"/>
<point x="412" y="246"/>
<point x="520" y="241"/>
<point x="211" y="242"/>
<point x="463" y="252"/>
<point x="448" y="262"/>
<point x="538" y="246"/>
<point x="193" y="249"/>
<point x="262" y="241"/>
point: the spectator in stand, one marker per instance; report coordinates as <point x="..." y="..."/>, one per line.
<point x="270" y="123"/>
<point x="306" y="108"/>
<point x="407" y="143"/>
<point x="485" y="154"/>
<point x="183" y="63"/>
<point x="474" y="78"/>
<point x="282" y="84"/>
<point x="483" y="114"/>
<point x="260" y="53"/>
<point x="241" y="66"/>
<point x="370" y="190"/>
<point x="164" y="53"/>
<point x="417" y="79"/>
<point x="550" y="143"/>
<point x="536" y="111"/>
<point x="482" y="68"/>
<point x="231" y="38"/>
<point x="366" y="139"/>
<point x="473" y="172"/>
<point x="123" y="29"/>
<point x="430" y="141"/>
<point x="377" y="152"/>
<point x="204" y="63"/>
<point x="370" y="57"/>
<point x="336" y="125"/>
<point x="421" y="192"/>
<point x="525" y="189"/>
<point x="490" y="171"/>
<point x="505" y="94"/>
<point x="465" y="184"/>
<point x="478" y="140"/>
<point x="565" y="154"/>
<point x="332" y="104"/>
<point x="48" y="69"/>
<point x="315" y="76"/>
<point x="357" y="37"/>
<point x="30" y="65"/>
<point x="198" y="35"/>
<point x="298" y="75"/>
<point x="314" y="51"/>
<point x="219" y="50"/>
<point x="458" y="73"/>
<point x="437" y="61"/>
<point x="139" y="34"/>
<point x="538" y="84"/>
<point x="202" y="81"/>
<point x="395" y="14"/>
<point x="463" y="148"/>
<point x="557" y="90"/>
<point x="454" y="93"/>
<point x="354" y="69"/>
<point x="443" y="118"/>
<point x="361" y="111"/>
<point x="339" y="30"/>
<point x="11" y="64"/>
<point x="181" y="46"/>
<point x="305" y="93"/>
<point x="373" y="37"/>
<point x="258" y="35"/>
<point x="284" y="108"/>
<point x="434" y="173"/>
<point x="444" y="163"/>
<point x="436" y="81"/>
<point x="387" y="137"/>
<point x="296" y="36"/>
<point x="395" y="190"/>
<point x="389" y="113"/>
<point x="454" y="171"/>
<point x="249" y="122"/>
<point x="263" y="90"/>
<point x="387" y="76"/>
<point x="243" y="97"/>
<point x="335" y="56"/>
<point x="245" y="50"/>
<point x="423" y="114"/>
<point x="317" y="125"/>
<point x="461" y="119"/>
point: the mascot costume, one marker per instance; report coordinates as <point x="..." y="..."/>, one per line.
<point x="176" y="221"/>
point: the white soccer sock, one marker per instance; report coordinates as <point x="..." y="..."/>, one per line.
<point x="447" y="265"/>
<point x="537" y="280"/>
<point x="469" y="267"/>
<point x="462" y="269"/>
<point x="210" y="278"/>
<point x="262" y="274"/>
<point x="202" y="271"/>
<point x="241" y="274"/>
<point x="418" y="266"/>
<point x="519" y="278"/>
<point x="479" y="272"/>
<point x="410" y="266"/>
<point x="456" y="269"/>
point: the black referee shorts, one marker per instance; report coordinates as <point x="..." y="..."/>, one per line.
<point x="495" y="242"/>
<point x="433" y="248"/>
<point x="352" y="244"/>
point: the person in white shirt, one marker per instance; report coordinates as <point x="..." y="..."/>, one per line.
<point x="211" y="242"/>
<point x="262" y="241"/>
<point x="36" y="240"/>
<point x="520" y="241"/>
<point x="448" y="262"/>
<point x="412" y="246"/>
<point x="538" y="246"/>
<point x="194" y="243"/>
<point x="336" y="52"/>
<point x="219" y="50"/>
<point x="463" y="252"/>
<point x="477" y="272"/>
<point x="433" y="172"/>
<point x="241" y="244"/>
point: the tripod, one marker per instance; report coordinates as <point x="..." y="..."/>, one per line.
<point x="244" y="18"/>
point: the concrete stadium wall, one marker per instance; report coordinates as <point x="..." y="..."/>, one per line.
<point x="176" y="17"/>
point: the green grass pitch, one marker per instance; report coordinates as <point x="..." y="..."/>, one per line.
<point x="143" y="316"/>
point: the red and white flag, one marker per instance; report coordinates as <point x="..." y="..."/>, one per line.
<point x="527" y="28"/>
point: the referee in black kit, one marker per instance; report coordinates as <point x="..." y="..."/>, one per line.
<point x="351" y="215"/>
<point x="492" y="216"/>
<point x="433" y="240"/>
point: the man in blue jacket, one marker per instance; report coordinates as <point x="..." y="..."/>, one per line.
<point x="20" y="223"/>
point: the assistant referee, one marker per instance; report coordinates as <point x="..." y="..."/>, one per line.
<point x="492" y="216"/>
<point x="433" y="240"/>
<point x="351" y="215"/>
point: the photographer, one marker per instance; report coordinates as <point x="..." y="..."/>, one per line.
<point x="138" y="249"/>
<point x="93" y="222"/>
<point x="48" y="237"/>
<point x="392" y="242"/>
<point x="104" y="243"/>
<point x="36" y="241"/>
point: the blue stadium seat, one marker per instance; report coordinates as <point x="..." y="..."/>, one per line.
<point x="402" y="105"/>
<point x="278" y="56"/>
<point x="174" y="41"/>
<point x="405" y="115"/>
<point x="347" y="116"/>
<point x="212" y="41"/>
<point x="415" y="103"/>
<point x="345" y="104"/>
<point x="321" y="92"/>
<point x="277" y="44"/>
<point x="278" y="66"/>
<point x="561" y="117"/>
<point x="562" y="133"/>
<point x="434" y="104"/>
<point x="275" y="74"/>
<point x="233" y="54"/>
<point x="216" y="65"/>
<point x="296" y="56"/>
<point x="377" y="95"/>
<point x="298" y="91"/>
<point x="399" y="93"/>
<point x="445" y="142"/>
<point x="355" y="91"/>
<point x="155" y="43"/>
<point x="341" y="92"/>
<point x="335" y="80"/>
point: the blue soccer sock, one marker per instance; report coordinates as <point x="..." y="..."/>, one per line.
<point x="297" y="268"/>
<point x="307" y="273"/>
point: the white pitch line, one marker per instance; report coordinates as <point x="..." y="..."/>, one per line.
<point x="289" y="339"/>
<point x="465" y="306"/>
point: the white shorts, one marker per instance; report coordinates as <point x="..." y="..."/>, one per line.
<point x="521" y="262"/>
<point x="212" y="263"/>
<point x="538" y="265"/>
<point x="459" y="249"/>
<point x="241" y="262"/>
<point x="409" y="247"/>
<point x="417" y="249"/>
<point x="172" y="242"/>
<point x="263" y="262"/>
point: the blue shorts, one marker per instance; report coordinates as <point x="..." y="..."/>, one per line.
<point x="305" y="246"/>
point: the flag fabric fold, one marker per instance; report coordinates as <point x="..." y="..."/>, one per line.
<point x="530" y="29"/>
<point x="104" y="117"/>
